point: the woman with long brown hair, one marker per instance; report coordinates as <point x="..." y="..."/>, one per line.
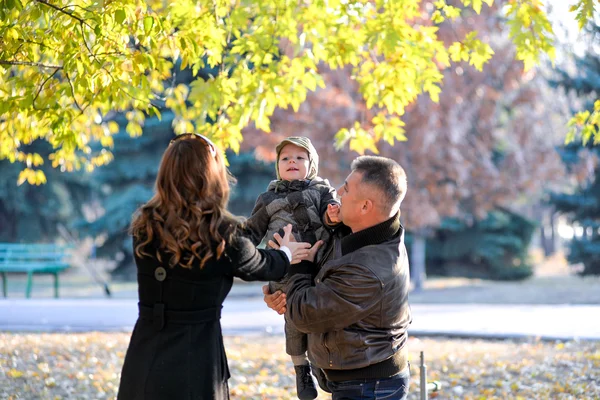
<point x="188" y="249"/>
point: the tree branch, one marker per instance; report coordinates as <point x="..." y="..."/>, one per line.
<point x="30" y="64"/>
<point x="87" y="9"/>
<point x="73" y="92"/>
<point x="42" y="86"/>
<point x="41" y="44"/>
<point x="62" y="10"/>
<point x="88" y="47"/>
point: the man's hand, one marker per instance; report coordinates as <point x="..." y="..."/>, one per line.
<point x="333" y="213"/>
<point x="275" y="301"/>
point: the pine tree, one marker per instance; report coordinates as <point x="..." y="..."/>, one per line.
<point x="123" y="185"/>
<point x="32" y="214"/>
<point x="493" y="248"/>
<point x="582" y="204"/>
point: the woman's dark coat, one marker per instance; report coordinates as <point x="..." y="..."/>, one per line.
<point x="177" y="352"/>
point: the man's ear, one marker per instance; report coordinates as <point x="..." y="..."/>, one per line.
<point x="367" y="206"/>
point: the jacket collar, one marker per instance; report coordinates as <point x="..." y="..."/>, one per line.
<point x="288" y="186"/>
<point x="374" y="235"/>
<point x="281" y="185"/>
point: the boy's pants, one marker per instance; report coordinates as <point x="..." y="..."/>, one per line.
<point x="296" y="342"/>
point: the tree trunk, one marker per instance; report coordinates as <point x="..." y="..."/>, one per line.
<point x="553" y="235"/>
<point x="417" y="260"/>
<point x="546" y="237"/>
<point x="8" y="222"/>
<point x="548" y="234"/>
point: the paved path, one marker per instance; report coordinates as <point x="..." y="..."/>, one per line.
<point x="250" y="316"/>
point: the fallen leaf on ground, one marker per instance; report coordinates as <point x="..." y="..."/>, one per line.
<point x="75" y="366"/>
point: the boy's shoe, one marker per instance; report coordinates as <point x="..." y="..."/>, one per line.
<point x="305" y="384"/>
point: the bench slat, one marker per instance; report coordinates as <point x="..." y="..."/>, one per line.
<point x="31" y="267"/>
<point x="26" y="247"/>
<point x="18" y="257"/>
<point x="32" y="259"/>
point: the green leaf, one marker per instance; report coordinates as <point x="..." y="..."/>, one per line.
<point x="120" y="16"/>
<point x="148" y="24"/>
<point x="80" y="68"/>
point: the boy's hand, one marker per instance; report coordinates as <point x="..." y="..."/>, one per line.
<point x="333" y="213"/>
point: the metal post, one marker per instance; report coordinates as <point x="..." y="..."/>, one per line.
<point x="423" y="376"/>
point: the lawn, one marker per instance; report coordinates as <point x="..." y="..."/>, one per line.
<point x="87" y="366"/>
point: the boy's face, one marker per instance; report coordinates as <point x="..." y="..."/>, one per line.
<point x="293" y="163"/>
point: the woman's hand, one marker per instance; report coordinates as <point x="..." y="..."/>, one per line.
<point x="275" y="301"/>
<point x="300" y="250"/>
<point x="310" y="255"/>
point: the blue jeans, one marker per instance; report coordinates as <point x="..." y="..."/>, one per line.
<point x="394" y="388"/>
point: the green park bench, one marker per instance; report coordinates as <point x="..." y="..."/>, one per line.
<point x="32" y="259"/>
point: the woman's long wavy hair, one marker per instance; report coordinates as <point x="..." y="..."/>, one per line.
<point x="187" y="216"/>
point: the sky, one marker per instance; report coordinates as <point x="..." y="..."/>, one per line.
<point x="560" y="14"/>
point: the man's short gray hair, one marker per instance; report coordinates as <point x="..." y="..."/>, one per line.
<point x="386" y="175"/>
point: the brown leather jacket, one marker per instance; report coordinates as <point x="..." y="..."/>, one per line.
<point x="357" y="312"/>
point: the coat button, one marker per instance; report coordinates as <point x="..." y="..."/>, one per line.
<point x="160" y="274"/>
<point x="317" y="280"/>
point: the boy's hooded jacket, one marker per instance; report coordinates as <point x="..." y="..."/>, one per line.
<point x="301" y="203"/>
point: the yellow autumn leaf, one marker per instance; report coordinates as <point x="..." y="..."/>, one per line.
<point x="14" y="373"/>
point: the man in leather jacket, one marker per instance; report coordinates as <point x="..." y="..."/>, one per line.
<point x="356" y="311"/>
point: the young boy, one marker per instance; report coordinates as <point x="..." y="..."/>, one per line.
<point x="308" y="202"/>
